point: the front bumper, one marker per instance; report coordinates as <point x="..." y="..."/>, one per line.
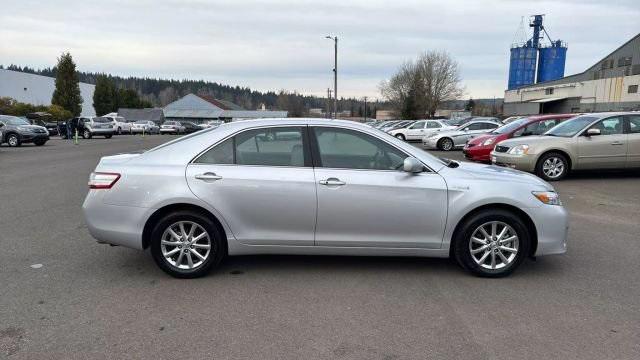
<point x="520" y="162"/>
<point x="477" y="153"/>
<point x="552" y="226"/>
<point x="33" y="137"/>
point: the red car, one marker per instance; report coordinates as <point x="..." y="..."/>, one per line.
<point x="479" y="148"/>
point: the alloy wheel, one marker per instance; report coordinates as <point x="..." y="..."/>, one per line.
<point x="553" y="167"/>
<point x="13" y="140"/>
<point x="447" y="144"/>
<point x="185" y="245"/>
<point x="494" y="245"/>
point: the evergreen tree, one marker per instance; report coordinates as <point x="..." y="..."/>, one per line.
<point x="104" y="96"/>
<point x="67" y="92"/>
<point x="470" y="105"/>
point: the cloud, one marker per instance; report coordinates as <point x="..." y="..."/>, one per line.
<point x="269" y="45"/>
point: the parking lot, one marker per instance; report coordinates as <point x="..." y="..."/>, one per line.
<point x="65" y="296"/>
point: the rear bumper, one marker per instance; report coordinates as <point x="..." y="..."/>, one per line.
<point x="102" y="131"/>
<point x="169" y="131"/>
<point x="112" y="224"/>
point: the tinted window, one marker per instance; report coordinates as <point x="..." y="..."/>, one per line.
<point x="348" y="149"/>
<point x="634" y="124"/>
<point x="220" y="154"/>
<point x="476" y="126"/>
<point x="433" y="125"/>
<point x="610" y="126"/>
<point x="418" y="125"/>
<point x="271" y="147"/>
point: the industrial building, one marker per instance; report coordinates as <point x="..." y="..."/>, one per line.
<point x="38" y="90"/>
<point x="537" y="86"/>
<point x="148" y="114"/>
<point x="202" y="108"/>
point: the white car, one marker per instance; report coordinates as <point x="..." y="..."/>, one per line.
<point x="419" y="129"/>
<point x="144" y="126"/>
<point x="211" y="124"/>
<point x="172" y="127"/>
<point x="120" y="125"/>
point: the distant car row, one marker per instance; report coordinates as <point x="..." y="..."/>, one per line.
<point x="16" y="131"/>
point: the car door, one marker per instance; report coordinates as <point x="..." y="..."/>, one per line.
<point x="607" y="150"/>
<point x="416" y="130"/>
<point x="366" y="200"/>
<point x="262" y="183"/>
<point x="633" y="141"/>
<point x="469" y="133"/>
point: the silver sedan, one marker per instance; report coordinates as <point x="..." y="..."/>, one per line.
<point x="310" y="187"/>
<point x="457" y="138"/>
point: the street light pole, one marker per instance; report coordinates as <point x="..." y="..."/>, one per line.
<point x="335" y="75"/>
<point x="365" y="109"/>
<point x="328" y="103"/>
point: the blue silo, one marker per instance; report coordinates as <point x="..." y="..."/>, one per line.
<point x="551" y="61"/>
<point x="522" y="66"/>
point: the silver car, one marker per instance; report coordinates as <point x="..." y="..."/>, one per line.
<point x="450" y="139"/>
<point x="311" y="187"/>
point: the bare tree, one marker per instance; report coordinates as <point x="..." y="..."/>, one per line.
<point x="420" y="86"/>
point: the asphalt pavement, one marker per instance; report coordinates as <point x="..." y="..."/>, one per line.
<point x="63" y="296"/>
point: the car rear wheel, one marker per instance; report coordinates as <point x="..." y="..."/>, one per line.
<point x="552" y="167"/>
<point x="86" y="134"/>
<point x="13" y="140"/>
<point x="186" y="244"/>
<point x="400" y="136"/>
<point x="491" y="243"/>
<point x="445" y="144"/>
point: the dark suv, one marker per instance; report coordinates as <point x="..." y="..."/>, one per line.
<point x="17" y="131"/>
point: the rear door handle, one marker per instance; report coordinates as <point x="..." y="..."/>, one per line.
<point x="208" y="176"/>
<point x="617" y="143"/>
<point x="332" y="182"/>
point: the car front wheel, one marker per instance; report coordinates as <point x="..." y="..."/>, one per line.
<point x="552" y="167"/>
<point x="400" y="136"/>
<point x="491" y="243"/>
<point x="445" y="144"/>
<point x="186" y="244"/>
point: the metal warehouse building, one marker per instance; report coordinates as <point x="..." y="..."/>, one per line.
<point x="201" y="108"/>
<point x="609" y="85"/>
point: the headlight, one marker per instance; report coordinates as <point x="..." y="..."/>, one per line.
<point x="519" y="150"/>
<point x="488" y="142"/>
<point x="24" y="129"/>
<point x="547" y="197"/>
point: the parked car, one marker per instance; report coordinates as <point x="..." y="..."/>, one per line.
<point x="419" y="129"/>
<point x="172" y="127"/>
<point x="144" y="126"/>
<point x="190" y="127"/>
<point x="328" y="180"/>
<point x="119" y="124"/>
<point x="399" y="125"/>
<point x="589" y="141"/>
<point x="511" y="119"/>
<point x="43" y="119"/>
<point x="17" y="131"/>
<point x="90" y="126"/>
<point x="480" y="147"/>
<point x="211" y="124"/>
<point x="450" y="139"/>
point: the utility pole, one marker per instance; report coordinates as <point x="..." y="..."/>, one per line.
<point x="335" y="75"/>
<point x="365" y="109"/>
<point x="328" y="103"/>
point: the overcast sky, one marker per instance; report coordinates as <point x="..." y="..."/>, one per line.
<point x="271" y="45"/>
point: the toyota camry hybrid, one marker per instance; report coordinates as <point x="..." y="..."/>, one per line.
<point x="317" y="187"/>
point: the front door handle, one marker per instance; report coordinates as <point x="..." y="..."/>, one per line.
<point x="332" y="182"/>
<point x="208" y="176"/>
<point x="617" y="143"/>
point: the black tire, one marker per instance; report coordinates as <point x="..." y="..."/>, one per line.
<point x="40" y="142"/>
<point x="554" y="173"/>
<point x="218" y="245"/>
<point x="86" y="134"/>
<point x="445" y="144"/>
<point x="461" y="250"/>
<point x="108" y="136"/>
<point x="14" y="140"/>
<point x="400" y="136"/>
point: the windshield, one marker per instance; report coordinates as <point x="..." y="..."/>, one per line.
<point x="12" y="120"/>
<point x="102" y="120"/>
<point x="571" y="127"/>
<point x="505" y="129"/>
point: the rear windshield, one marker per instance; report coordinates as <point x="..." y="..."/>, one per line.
<point x="505" y="129"/>
<point x="102" y="120"/>
<point x="12" y="120"/>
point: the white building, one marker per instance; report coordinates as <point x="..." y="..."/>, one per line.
<point x="38" y="90"/>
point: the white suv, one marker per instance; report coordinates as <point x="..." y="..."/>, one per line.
<point x="419" y="129"/>
<point x="120" y="125"/>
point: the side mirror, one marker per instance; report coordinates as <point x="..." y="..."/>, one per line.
<point x="412" y="165"/>
<point x="593" y="132"/>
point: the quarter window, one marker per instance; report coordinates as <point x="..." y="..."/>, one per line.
<point x="348" y="149"/>
<point x="634" y="124"/>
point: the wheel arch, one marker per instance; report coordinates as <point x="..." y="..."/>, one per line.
<point x="531" y="227"/>
<point x="159" y="213"/>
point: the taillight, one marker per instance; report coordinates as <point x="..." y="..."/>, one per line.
<point x="100" y="180"/>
